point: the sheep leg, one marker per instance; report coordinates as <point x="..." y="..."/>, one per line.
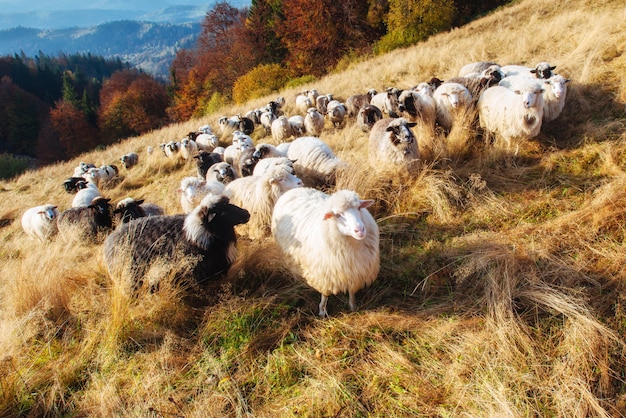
<point x="322" y="306"/>
<point x="352" y="301"/>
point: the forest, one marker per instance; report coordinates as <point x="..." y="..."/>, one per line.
<point x="53" y="108"/>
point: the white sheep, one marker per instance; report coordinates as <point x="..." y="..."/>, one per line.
<point x="85" y="196"/>
<point x="267" y="118"/>
<point x="387" y="101"/>
<point x="40" y="222"/>
<point x="171" y="149"/>
<point x="336" y="112"/>
<point x="331" y="241"/>
<point x="322" y="101"/>
<point x="222" y="172"/>
<point x="192" y="190"/>
<point x="541" y="70"/>
<point x="314" y="161"/>
<point x="514" y="113"/>
<point x="264" y="150"/>
<point x="453" y="100"/>
<point x="188" y="148"/>
<point x="265" y="163"/>
<point x="303" y="102"/>
<point x="555" y="91"/>
<point x="313" y="122"/>
<point x="297" y="124"/>
<point x="207" y="141"/>
<point x="257" y="194"/>
<point x="82" y="168"/>
<point x="281" y="129"/>
<point x="109" y="172"/>
<point x="393" y="145"/>
<point x="418" y="107"/>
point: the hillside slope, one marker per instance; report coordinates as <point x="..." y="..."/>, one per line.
<point x="501" y="290"/>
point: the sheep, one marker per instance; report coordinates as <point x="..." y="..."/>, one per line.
<point x="331" y="241"/>
<point x="257" y="194"/>
<point x="228" y="125"/>
<point x="554" y="95"/>
<point x="321" y="103"/>
<point x="245" y="166"/>
<point x="355" y="102"/>
<point x="387" y="101"/>
<point x="110" y="172"/>
<point x="207" y="141"/>
<point x="314" y="161"/>
<point x="336" y="112"/>
<point x="246" y="125"/>
<point x="453" y="100"/>
<point x="368" y="115"/>
<point x="192" y="190"/>
<point x="74" y="184"/>
<point x="418" y="107"/>
<point x="84" y="196"/>
<point x="267" y="118"/>
<point x="477" y="67"/>
<point x="297" y="124"/>
<point x="129" y="160"/>
<point x="264" y="150"/>
<point x="303" y="102"/>
<point x="312" y="94"/>
<point x="188" y="148"/>
<point x="313" y="122"/>
<point x="204" y="160"/>
<point x="221" y="172"/>
<point x="393" y="144"/>
<point x="281" y="129"/>
<point x="542" y="70"/>
<point x="265" y="163"/>
<point x="40" y="222"/>
<point x="128" y="209"/>
<point x="90" y="220"/>
<point x="515" y="112"/>
<point x="82" y="168"/>
<point x="206" y="237"/>
<point x="95" y="175"/>
<point x="171" y="149"/>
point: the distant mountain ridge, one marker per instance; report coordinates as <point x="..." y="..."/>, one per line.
<point x="147" y="45"/>
<point x="145" y="33"/>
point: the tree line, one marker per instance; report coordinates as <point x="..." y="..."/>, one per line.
<point x="53" y="108"/>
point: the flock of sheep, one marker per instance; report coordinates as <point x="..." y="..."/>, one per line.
<point x="282" y="190"/>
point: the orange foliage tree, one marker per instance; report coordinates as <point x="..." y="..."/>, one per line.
<point x="131" y="103"/>
<point x="74" y="131"/>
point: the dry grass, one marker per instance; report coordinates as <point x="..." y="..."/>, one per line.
<point x="501" y="291"/>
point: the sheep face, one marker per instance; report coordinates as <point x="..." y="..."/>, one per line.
<point x="401" y="134"/>
<point x="50" y="212"/>
<point x="558" y="85"/>
<point x="529" y="98"/>
<point x="219" y="217"/>
<point x="543" y="70"/>
<point x="348" y="220"/>
<point x="286" y="181"/>
<point x="222" y="172"/>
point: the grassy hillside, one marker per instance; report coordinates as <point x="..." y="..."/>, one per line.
<point x="502" y="284"/>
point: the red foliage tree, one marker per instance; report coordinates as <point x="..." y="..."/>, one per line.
<point x="74" y="131"/>
<point x="131" y="103"/>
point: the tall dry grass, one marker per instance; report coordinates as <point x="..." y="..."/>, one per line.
<point x="501" y="291"/>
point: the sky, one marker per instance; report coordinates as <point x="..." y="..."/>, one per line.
<point x="21" y="6"/>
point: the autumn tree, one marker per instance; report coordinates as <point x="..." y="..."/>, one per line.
<point x="131" y="103"/>
<point x="75" y="133"/>
<point x="411" y="21"/>
<point x="317" y="33"/>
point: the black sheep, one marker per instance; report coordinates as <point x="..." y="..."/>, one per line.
<point x="89" y="219"/>
<point x="206" y="235"/>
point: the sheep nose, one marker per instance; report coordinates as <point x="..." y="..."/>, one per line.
<point x="359" y="232"/>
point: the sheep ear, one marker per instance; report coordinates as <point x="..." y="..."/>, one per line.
<point x="139" y="202"/>
<point x="567" y="80"/>
<point x="329" y="215"/>
<point x="366" y="203"/>
<point x="553" y="67"/>
<point x="533" y="71"/>
<point x="411" y="124"/>
<point x="210" y="217"/>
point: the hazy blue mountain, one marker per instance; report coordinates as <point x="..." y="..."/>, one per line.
<point x="146" y="33"/>
<point x="147" y="45"/>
